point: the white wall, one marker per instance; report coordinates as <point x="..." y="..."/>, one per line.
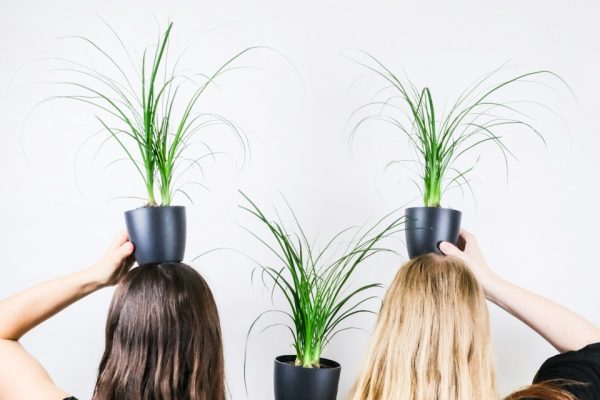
<point x="538" y="230"/>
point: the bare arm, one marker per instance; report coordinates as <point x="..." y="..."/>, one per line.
<point x="563" y="328"/>
<point x="21" y="376"/>
<point x="27" y="309"/>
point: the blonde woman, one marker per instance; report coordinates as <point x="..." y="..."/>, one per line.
<point x="432" y="338"/>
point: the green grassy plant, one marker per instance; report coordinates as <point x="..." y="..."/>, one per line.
<point x="316" y="284"/>
<point x="440" y="140"/>
<point x="154" y="137"/>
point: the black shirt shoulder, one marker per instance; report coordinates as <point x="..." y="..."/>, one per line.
<point x="581" y="366"/>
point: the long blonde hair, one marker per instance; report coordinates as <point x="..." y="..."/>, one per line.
<point x="432" y="338"/>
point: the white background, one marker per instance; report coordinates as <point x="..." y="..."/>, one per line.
<point x="538" y="230"/>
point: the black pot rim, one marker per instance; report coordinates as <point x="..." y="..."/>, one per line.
<point x="147" y="207"/>
<point x="331" y="364"/>
<point x="435" y="208"/>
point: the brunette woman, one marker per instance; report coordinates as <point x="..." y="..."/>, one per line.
<point x="163" y="337"/>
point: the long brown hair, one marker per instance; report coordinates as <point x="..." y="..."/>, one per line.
<point x="551" y="390"/>
<point x="163" y="338"/>
<point x="432" y="339"/>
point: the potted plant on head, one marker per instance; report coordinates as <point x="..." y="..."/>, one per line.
<point x="142" y="119"/>
<point x="439" y="141"/>
<point x="316" y="287"/>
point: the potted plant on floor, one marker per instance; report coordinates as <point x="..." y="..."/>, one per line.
<point x="474" y="119"/>
<point x="316" y="287"/>
<point x="154" y="128"/>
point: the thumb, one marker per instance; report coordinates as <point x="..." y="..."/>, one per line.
<point x="125" y="249"/>
<point x="450" y="250"/>
<point x="120" y="239"/>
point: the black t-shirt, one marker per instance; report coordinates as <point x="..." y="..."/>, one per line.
<point x="581" y="366"/>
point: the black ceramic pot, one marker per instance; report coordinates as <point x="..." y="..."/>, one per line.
<point x="157" y="233"/>
<point x="297" y="383"/>
<point x="426" y="227"/>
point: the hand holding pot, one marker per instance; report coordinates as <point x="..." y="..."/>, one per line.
<point x="115" y="263"/>
<point x="563" y="328"/>
<point x="468" y="251"/>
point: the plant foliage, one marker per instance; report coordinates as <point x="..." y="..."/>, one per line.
<point x="152" y="134"/>
<point x="440" y="140"/>
<point x="316" y="284"/>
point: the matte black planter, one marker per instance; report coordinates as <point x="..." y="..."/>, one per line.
<point x="426" y="227"/>
<point x="297" y="383"/>
<point x="158" y="233"/>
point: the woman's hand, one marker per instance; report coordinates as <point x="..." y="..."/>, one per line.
<point x="21" y="375"/>
<point x="25" y="310"/>
<point x="563" y="328"/>
<point x="115" y="263"/>
<point x="468" y="251"/>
